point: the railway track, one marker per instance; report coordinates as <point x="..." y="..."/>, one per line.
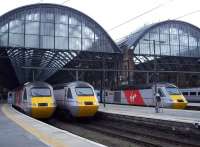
<point x="117" y="132"/>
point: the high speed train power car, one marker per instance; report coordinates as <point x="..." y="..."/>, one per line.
<point x="35" y="99"/>
<point x="143" y="95"/>
<point x="78" y="98"/>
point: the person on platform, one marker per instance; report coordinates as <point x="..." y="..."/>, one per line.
<point x="158" y="103"/>
<point x="10" y="98"/>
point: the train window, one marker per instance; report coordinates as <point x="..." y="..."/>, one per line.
<point x="69" y="94"/>
<point x="40" y="91"/>
<point x="160" y="92"/>
<point x="173" y="90"/>
<point x="84" y="91"/>
<point x="198" y="93"/>
<point x="25" y="95"/>
<point x="192" y="93"/>
<point x="185" y="93"/>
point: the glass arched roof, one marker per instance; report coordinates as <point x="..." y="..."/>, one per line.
<point x="49" y="36"/>
<point x="172" y="38"/>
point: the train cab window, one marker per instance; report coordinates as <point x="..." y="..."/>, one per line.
<point x="84" y="91"/>
<point x="185" y="93"/>
<point x="173" y="90"/>
<point x="25" y="95"/>
<point x="160" y="92"/>
<point x="40" y="91"/>
<point x="192" y="93"/>
<point x="69" y="94"/>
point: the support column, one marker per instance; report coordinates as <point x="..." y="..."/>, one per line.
<point x="77" y="76"/>
<point x="147" y="79"/>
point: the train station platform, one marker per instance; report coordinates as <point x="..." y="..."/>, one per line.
<point x="19" y="130"/>
<point x="176" y="115"/>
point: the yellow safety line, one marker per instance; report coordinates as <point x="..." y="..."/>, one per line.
<point x="34" y="131"/>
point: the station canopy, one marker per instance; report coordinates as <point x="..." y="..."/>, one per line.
<point x="49" y="36"/>
<point x="177" y="46"/>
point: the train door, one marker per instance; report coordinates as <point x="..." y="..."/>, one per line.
<point x="25" y="100"/>
<point x="65" y="97"/>
<point x="68" y="98"/>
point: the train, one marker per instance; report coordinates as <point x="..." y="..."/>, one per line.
<point x="191" y="94"/>
<point x="77" y="98"/>
<point x="35" y="99"/>
<point x="143" y="95"/>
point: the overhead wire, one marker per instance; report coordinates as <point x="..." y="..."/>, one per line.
<point x="187" y="14"/>
<point x="144" y="13"/>
<point x="138" y="16"/>
<point x="65" y="2"/>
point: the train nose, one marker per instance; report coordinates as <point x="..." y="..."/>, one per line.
<point x="42" y="107"/>
<point x="179" y="102"/>
<point x="87" y="106"/>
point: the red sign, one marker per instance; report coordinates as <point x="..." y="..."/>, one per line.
<point x="134" y="97"/>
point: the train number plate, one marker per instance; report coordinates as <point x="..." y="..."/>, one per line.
<point x="179" y="100"/>
<point x="88" y="103"/>
<point x="42" y="104"/>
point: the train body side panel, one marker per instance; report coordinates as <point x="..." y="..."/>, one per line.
<point x="59" y="96"/>
<point x="18" y="98"/>
<point x="148" y="97"/>
<point x="109" y="97"/>
<point x="133" y="97"/>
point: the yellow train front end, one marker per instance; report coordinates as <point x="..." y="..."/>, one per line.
<point x="87" y="106"/>
<point x="179" y="101"/>
<point x="41" y="99"/>
<point x="42" y="107"/>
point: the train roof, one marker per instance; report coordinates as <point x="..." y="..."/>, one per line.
<point x="75" y="84"/>
<point x="36" y="84"/>
<point x="190" y="89"/>
<point x="146" y="86"/>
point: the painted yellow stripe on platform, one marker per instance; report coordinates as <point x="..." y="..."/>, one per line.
<point x="34" y="131"/>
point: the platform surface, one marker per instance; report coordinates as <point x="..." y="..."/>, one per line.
<point x="19" y="130"/>
<point x="11" y="135"/>
<point x="186" y="116"/>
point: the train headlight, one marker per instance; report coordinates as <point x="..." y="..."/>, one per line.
<point x="53" y="104"/>
<point x="33" y="105"/>
<point x="79" y="103"/>
<point x="96" y="103"/>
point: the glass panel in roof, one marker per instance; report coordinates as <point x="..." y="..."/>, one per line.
<point x="61" y="30"/>
<point x="47" y="29"/>
<point x="74" y="31"/>
<point x="61" y="18"/>
<point x="4" y="28"/>
<point x="47" y="42"/>
<point x="75" y="43"/>
<point x="33" y="17"/>
<point x="32" y="27"/>
<point x="16" y="26"/>
<point x="87" y="43"/>
<point x="16" y="40"/>
<point x="32" y="41"/>
<point x="61" y="42"/>
<point x="3" y="39"/>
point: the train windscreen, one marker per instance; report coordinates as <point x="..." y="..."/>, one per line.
<point x="173" y="91"/>
<point x="40" y="92"/>
<point x="84" y="91"/>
